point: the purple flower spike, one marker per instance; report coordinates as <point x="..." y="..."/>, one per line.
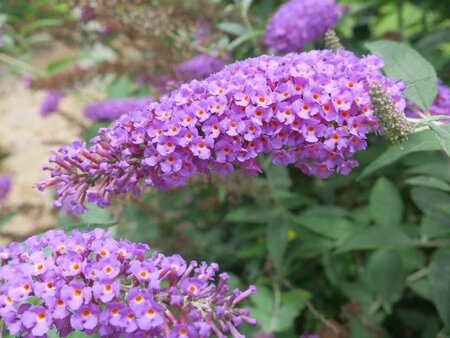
<point x="5" y="187"/>
<point x="113" y="109"/>
<point x="299" y="22"/>
<point x="312" y="110"/>
<point x="157" y="296"/>
<point x="50" y="102"/>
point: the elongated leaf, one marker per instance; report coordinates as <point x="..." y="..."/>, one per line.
<point x="439" y="276"/>
<point x="277" y="238"/>
<point x="328" y="227"/>
<point x="428" y="181"/>
<point x="434" y="203"/>
<point x="403" y="62"/>
<point x="386" y="204"/>
<point x="233" y="28"/>
<point x="423" y="141"/>
<point x="386" y="276"/>
<point x="375" y="237"/>
<point x="442" y="133"/>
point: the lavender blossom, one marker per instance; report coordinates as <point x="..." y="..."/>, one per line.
<point x="198" y="67"/>
<point x="299" y="22"/>
<point x="113" y="109"/>
<point x="50" y="102"/>
<point x="5" y="187"/>
<point x="311" y="109"/>
<point x="440" y="105"/>
<point x="89" y="282"/>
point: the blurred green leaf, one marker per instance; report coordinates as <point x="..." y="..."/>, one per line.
<point x="329" y="227"/>
<point x="434" y="203"/>
<point x="278" y="316"/>
<point x="39" y="24"/>
<point x="428" y="181"/>
<point x="386" y="204"/>
<point x="403" y="62"/>
<point x="432" y="227"/>
<point x="233" y="28"/>
<point x="386" y="276"/>
<point x="423" y="141"/>
<point x="375" y="237"/>
<point x="422" y="288"/>
<point x="439" y="276"/>
<point x="120" y="87"/>
<point x="249" y="214"/>
<point x="277" y="238"/>
<point x="5" y="219"/>
<point x="62" y="62"/>
<point x="442" y="133"/>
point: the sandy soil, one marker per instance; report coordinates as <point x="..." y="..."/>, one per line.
<point x="29" y="139"/>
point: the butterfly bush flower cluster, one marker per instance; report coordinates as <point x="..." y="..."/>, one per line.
<point x="440" y="105"/>
<point x="112" y="109"/>
<point x="92" y="283"/>
<point x="299" y="22"/>
<point x="311" y="109"/>
<point x="50" y="102"/>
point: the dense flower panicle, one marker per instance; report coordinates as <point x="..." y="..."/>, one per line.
<point x="299" y="22"/>
<point x="50" y="102"/>
<point x="5" y="187"/>
<point x="440" y="105"/>
<point x="198" y="67"/>
<point x="90" y="282"/>
<point x="311" y="109"/>
<point x="112" y="109"/>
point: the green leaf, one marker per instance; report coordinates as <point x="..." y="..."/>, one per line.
<point x="423" y="141"/>
<point x="245" y="6"/>
<point x="233" y="28"/>
<point x="39" y="24"/>
<point x="279" y="317"/>
<point x="62" y="62"/>
<point x="375" y="237"/>
<point x="6" y="218"/>
<point x="386" y="204"/>
<point x="277" y="238"/>
<point x="249" y="214"/>
<point x="328" y="227"/>
<point x="442" y="133"/>
<point x="385" y="276"/>
<point x="422" y="288"/>
<point x="434" y="203"/>
<point x="403" y="62"/>
<point x="439" y="276"/>
<point x="428" y="181"/>
<point x="432" y="40"/>
<point x="357" y="329"/>
<point x="120" y="87"/>
<point x="434" y="228"/>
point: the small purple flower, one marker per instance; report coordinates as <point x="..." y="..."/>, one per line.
<point x="299" y="22"/>
<point x="50" y="102"/>
<point x="85" y="318"/>
<point x="199" y="67"/>
<point x="5" y="187"/>
<point x="38" y="320"/>
<point x="113" y="109"/>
